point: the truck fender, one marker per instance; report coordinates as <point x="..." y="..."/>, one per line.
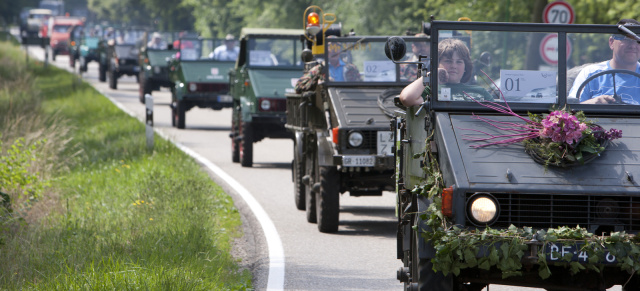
<point x="325" y="149"/>
<point x="425" y="249"/>
<point x="246" y="108"/>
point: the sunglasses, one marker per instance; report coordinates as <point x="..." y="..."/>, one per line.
<point x="623" y="38"/>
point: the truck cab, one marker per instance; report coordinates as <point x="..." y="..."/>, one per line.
<point x="485" y="197"/>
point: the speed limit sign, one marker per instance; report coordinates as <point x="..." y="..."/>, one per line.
<point x="558" y="12"/>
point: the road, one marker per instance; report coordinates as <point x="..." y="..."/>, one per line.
<point x="360" y="256"/>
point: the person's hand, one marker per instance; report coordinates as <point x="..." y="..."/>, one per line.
<point x="443" y="76"/>
<point x="602" y="99"/>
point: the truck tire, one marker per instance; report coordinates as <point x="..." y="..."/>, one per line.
<point x="179" y="114"/>
<point x="113" y="80"/>
<point x="328" y="200"/>
<point x="102" y="73"/>
<point x="235" y="145"/>
<point x="310" y="198"/>
<point x="298" y="172"/>
<point x="246" y="144"/>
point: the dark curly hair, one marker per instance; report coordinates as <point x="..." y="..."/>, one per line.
<point x="448" y="46"/>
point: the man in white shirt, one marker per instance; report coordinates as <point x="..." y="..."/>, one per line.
<point x="626" y="52"/>
<point x="226" y="52"/>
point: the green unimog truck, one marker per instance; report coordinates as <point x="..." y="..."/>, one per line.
<point x="123" y="55"/>
<point x="340" y="118"/>
<point x="530" y="187"/>
<point x="268" y="67"/>
<point x="83" y="46"/>
<point x="198" y="80"/>
<point x="154" y="57"/>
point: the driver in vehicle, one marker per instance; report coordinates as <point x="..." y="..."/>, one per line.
<point x="455" y="68"/>
<point x="340" y="69"/>
<point x="626" y="53"/>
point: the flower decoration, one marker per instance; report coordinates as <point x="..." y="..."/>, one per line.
<point x="561" y="138"/>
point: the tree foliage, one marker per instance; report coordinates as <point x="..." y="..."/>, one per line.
<point x="366" y="17"/>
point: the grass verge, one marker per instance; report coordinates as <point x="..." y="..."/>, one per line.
<point x="116" y="216"/>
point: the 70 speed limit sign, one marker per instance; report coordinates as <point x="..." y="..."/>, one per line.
<point x="558" y="12"/>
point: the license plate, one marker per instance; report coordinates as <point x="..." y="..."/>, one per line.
<point x="385" y="143"/>
<point x="556" y="251"/>
<point x="225" y="98"/>
<point x="358" y="161"/>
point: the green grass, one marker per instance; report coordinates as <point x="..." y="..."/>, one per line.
<point x="117" y="216"/>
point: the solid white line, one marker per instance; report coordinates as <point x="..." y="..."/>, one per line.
<point x="274" y="243"/>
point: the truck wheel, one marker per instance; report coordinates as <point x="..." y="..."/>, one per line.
<point x="328" y="200"/>
<point x="310" y="198"/>
<point x="246" y="144"/>
<point x="179" y="114"/>
<point x="235" y="145"/>
<point x="113" y="80"/>
<point x="102" y="73"/>
<point x="298" y="172"/>
<point x="83" y="64"/>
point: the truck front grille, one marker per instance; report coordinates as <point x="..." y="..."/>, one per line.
<point x="596" y="213"/>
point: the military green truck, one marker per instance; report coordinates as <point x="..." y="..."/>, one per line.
<point x="268" y="67"/>
<point x="532" y="188"/>
<point x="342" y="138"/>
<point x="198" y="80"/>
<point x="154" y="64"/>
<point x="123" y="55"/>
<point x="83" y="47"/>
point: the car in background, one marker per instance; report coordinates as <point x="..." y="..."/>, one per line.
<point x="59" y="32"/>
<point x="33" y="23"/>
<point x="83" y="46"/>
<point x="268" y="67"/>
<point x="154" y="57"/>
<point x="123" y="54"/>
<point x="198" y="80"/>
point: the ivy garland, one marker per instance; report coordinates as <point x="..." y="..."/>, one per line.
<point x="457" y="248"/>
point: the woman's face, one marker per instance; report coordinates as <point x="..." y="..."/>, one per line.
<point x="454" y="66"/>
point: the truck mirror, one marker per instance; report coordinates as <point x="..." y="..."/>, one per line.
<point x="395" y="48"/>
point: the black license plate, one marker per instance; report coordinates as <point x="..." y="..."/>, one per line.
<point x="555" y="252"/>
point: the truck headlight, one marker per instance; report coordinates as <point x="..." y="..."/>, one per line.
<point x="482" y="209"/>
<point x="355" y="139"/>
<point x="265" y="104"/>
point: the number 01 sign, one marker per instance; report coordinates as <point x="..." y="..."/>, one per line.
<point x="558" y="12"/>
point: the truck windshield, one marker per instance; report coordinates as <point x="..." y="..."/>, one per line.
<point x="525" y="66"/>
<point x="362" y="60"/>
<point x="274" y="52"/>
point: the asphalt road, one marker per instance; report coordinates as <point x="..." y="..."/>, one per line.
<point x="360" y="256"/>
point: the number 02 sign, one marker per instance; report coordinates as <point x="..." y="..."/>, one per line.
<point x="558" y="12"/>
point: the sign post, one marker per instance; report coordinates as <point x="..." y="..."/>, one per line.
<point x="148" y="101"/>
